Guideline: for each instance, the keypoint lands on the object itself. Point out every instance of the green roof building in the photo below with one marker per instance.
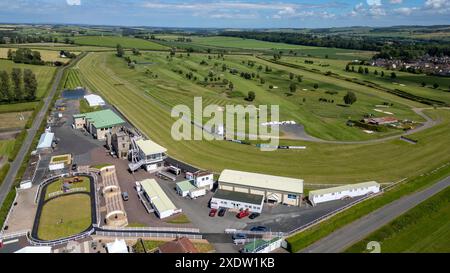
(99, 123)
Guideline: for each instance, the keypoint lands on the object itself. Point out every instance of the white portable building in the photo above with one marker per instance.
(342, 192)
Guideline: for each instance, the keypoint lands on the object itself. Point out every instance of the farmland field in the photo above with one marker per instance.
(46, 55)
(72, 80)
(14, 120)
(65, 216)
(131, 92)
(424, 229)
(58, 47)
(250, 44)
(44, 74)
(6, 147)
(112, 41)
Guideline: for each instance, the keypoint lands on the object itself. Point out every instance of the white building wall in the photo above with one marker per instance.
(205, 181)
(217, 203)
(316, 199)
(197, 193)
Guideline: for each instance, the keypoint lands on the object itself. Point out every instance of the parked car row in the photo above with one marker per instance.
(241, 214)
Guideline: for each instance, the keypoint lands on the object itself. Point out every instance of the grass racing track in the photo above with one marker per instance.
(319, 163)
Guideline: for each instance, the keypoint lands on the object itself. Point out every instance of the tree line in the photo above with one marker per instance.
(387, 48)
(26, 56)
(18, 86)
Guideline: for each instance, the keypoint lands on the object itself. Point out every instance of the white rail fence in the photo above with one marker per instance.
(137, 234)
(150, 229)
(80, 236)
(13, 235)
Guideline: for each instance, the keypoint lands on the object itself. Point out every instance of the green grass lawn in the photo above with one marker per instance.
(179, 219)
(425, 228)
(74, 211)
(58, 184)
(129, 91)
(305, 238)
(112, 41)
(323, 120)
(411, 83)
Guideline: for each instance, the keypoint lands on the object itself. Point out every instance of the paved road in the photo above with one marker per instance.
(343, 238)
(15, 165)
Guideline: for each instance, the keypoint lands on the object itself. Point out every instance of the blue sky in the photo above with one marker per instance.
(225, 13)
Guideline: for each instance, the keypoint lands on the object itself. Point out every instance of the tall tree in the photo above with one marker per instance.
(29, 84)
(350, 98)
(120, 51)
(5, 86)
(16, 76)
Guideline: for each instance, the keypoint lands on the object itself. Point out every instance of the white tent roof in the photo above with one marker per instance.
(94, 100)
(35, 249)
(118, 246)
(46, 140)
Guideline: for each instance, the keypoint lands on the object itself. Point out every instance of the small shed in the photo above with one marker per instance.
(186, 188)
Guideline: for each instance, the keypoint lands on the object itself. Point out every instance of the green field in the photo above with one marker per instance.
(65, 216)
(241, 44)
(44, 74)
(6, 147)
(14, 120)
(58, 184)
(131, 93)
(423, 229)
(59, 47)
(112, 41)
(323, 120)
(408, 82)
(72, 80)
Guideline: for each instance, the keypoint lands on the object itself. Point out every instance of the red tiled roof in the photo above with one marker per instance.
(180, 245)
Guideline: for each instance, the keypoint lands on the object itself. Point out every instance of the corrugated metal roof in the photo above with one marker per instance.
(102, 119)
(94, 100)
(186, 186)
(46, 140)
(279, 183)
(157, 195)
(343, 188)
(149, 147)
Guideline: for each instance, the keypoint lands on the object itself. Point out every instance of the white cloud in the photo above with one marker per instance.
(395, 1)
(405, 10)
(437, 4)
(374, 2)
(73, 2)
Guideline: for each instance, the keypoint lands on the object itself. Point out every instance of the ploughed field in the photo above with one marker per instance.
(146, 100)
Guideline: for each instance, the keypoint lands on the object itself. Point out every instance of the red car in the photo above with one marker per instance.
(212, 212)
(243, 213)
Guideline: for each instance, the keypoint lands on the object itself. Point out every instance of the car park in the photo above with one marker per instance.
(222, 212)
(212, 212)
(259, 229)
(243, 214)
(125, 196)
(253, 215)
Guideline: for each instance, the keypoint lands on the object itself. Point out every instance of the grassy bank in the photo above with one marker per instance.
(425, 228)
(315, 233)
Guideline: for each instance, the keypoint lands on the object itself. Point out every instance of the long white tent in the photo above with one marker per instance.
(94, 100)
